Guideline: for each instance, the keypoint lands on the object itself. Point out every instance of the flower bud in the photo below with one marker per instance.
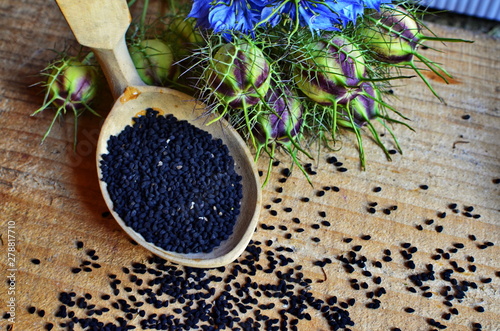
(154, 61)
(328, 69)
(392, 35)
(238, 73)
(72, 84)
(285, 119)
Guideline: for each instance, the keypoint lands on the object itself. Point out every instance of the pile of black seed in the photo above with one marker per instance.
(270, 287)
(172, 183)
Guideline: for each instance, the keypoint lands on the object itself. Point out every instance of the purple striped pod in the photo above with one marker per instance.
(392, 35)
(328, 69)
(363, 106)
(283, 121)
(238, 74)
(72, 84)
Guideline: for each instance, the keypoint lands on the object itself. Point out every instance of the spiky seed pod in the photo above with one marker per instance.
(283, 121)
(71, 84)
(238, 73)
(363, 106)
(328, 69)
(154, 61)
(392, 35)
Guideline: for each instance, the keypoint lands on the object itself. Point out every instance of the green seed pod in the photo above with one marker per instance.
(363, 106)
(238, 73)
(284, 121)
(71, 84)
(154, 61)
(184, 36)
(392, 35)
(328, 69)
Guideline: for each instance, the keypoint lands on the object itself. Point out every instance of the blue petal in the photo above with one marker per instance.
(200, 11)
(375, 4)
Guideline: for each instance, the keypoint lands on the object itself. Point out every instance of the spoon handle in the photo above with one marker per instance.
(101, 26)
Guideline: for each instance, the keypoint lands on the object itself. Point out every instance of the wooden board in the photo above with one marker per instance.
(50, 200)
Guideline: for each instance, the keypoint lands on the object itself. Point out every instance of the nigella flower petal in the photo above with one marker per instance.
(234, 16)
(375, 4)
(200, 10)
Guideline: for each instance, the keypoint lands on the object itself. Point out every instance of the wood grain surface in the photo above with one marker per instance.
(50, 200)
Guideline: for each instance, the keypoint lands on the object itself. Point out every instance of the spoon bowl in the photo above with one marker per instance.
(101, 25)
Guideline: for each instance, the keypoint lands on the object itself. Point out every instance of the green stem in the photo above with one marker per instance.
(417, 70)
(143, 18)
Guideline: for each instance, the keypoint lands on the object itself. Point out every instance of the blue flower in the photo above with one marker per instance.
(317, 15)
(229, 16)
(226, 16)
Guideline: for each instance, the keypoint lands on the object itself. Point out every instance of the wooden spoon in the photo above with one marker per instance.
(101, 25)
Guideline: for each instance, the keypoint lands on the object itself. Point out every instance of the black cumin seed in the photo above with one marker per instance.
(157, 177)
(31, 310)
(424, 187)
(409, 310)
(410, 264)
(377, 189)
(479, 309)
(371, 210)
(331, 160)
(366, 237)
(305, 199)
(320, 193)
(35, 261)
(79, 244)
(439, 228)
